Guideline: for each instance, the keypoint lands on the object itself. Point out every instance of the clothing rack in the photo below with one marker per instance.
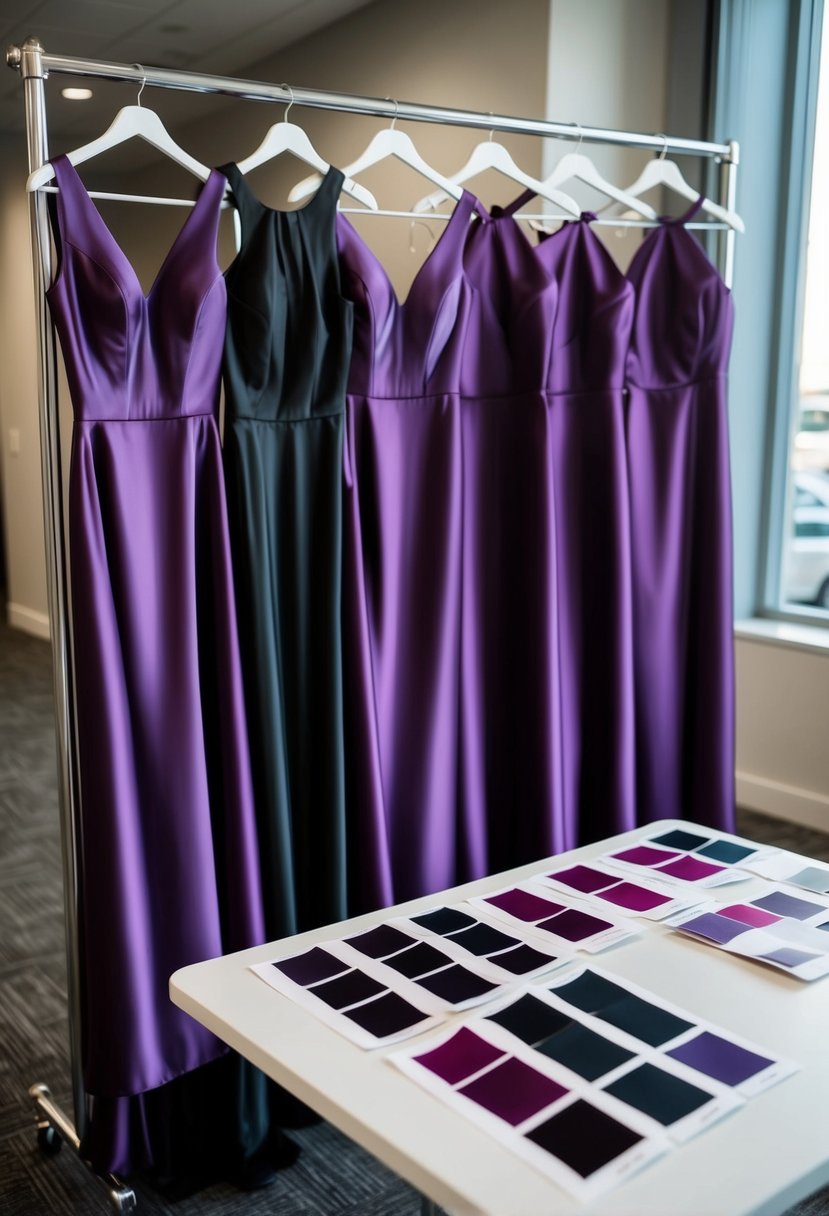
(34, 65)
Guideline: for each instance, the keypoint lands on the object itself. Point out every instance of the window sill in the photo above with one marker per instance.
(792, 634)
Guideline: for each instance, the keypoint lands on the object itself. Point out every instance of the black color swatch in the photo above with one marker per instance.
(386, 1015)
(584, 1138)
(644, 1021)
(314, 965)
(659, 1094)
(530, 1020)
(483, 939)
(523, 959)
(418, 960)
(584, 1052)
(348, 989)
(379, 942)
(444, 920)
(456, 984)
(590, 992)
(677, 839)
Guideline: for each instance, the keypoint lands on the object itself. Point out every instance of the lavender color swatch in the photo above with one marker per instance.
(461, 1056)
(720, 1059)
(787, 905)
(513, 1091)
(789, 957)
(714, 928)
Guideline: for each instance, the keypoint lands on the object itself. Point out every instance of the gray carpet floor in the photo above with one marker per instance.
(332, 1175)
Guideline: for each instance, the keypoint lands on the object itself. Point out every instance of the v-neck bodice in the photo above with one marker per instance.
(405, 349)
(130, 355)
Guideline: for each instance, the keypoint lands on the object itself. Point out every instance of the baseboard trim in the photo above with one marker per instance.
(790, 802)
(28, 620)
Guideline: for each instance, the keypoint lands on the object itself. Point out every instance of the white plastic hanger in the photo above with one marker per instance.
(576, 165)
(491, 155)
(289, 137)
(388, 142)
(662, 172)
(129, 122)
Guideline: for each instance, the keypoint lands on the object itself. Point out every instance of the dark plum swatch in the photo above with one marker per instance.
(311, 966)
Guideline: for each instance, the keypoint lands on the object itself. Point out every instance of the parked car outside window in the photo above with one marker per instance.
(806, 563)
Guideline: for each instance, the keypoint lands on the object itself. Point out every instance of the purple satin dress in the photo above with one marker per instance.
(169, 872)
(402, 538)
(677, 436)
(588, 470)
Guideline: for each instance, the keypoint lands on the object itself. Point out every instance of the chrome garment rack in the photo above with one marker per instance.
(34, 65)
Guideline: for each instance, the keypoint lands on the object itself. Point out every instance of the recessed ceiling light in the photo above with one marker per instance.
(76, 94)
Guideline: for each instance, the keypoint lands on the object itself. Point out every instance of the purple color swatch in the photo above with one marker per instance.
(575, 926)
(380, 942)
(582, 878)
(459, 1057)
(788, 957)
(787, 905)
(690, 869)
(714, 927)
(523, 905)
(348, 989)
(749, 915)
(643, 855)
(720, 1059)
(523, 959)
(387, 1014)
(513, 1091)
(311, 966)
(638, 899)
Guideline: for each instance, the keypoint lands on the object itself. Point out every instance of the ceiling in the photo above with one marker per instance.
(217, 36)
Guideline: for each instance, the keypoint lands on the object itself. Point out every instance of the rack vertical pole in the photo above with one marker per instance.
(53, 1125)
(729, 166)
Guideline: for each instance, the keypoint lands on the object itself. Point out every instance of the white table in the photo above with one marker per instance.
(761, 1160)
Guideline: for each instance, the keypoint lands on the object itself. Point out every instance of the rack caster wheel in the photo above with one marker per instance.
(49, 1142)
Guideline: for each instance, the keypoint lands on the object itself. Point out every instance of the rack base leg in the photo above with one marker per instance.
(54, 1128)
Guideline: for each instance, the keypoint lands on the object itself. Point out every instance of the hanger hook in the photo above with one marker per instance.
(581, 134)
(491, 129)
(143, 83)
(664, 151)
(290, 103)
(396, 105)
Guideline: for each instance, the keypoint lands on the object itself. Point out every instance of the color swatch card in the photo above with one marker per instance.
(645, 897)
(708, 860)
(589, 1077)
(794, 869)
(348, 999)
(583, 1139)
(529, 908)
(776, 928)
(508, 956)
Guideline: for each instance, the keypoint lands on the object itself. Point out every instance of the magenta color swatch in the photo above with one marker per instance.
(643, 855)
(513, 1091)
(574, 925)
(749, 915)
(582, 878)
(459, 1056)
(690, 869)
(523, 905)
(638, 899)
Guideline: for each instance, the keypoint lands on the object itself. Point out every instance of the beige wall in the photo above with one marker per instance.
(20, 471)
